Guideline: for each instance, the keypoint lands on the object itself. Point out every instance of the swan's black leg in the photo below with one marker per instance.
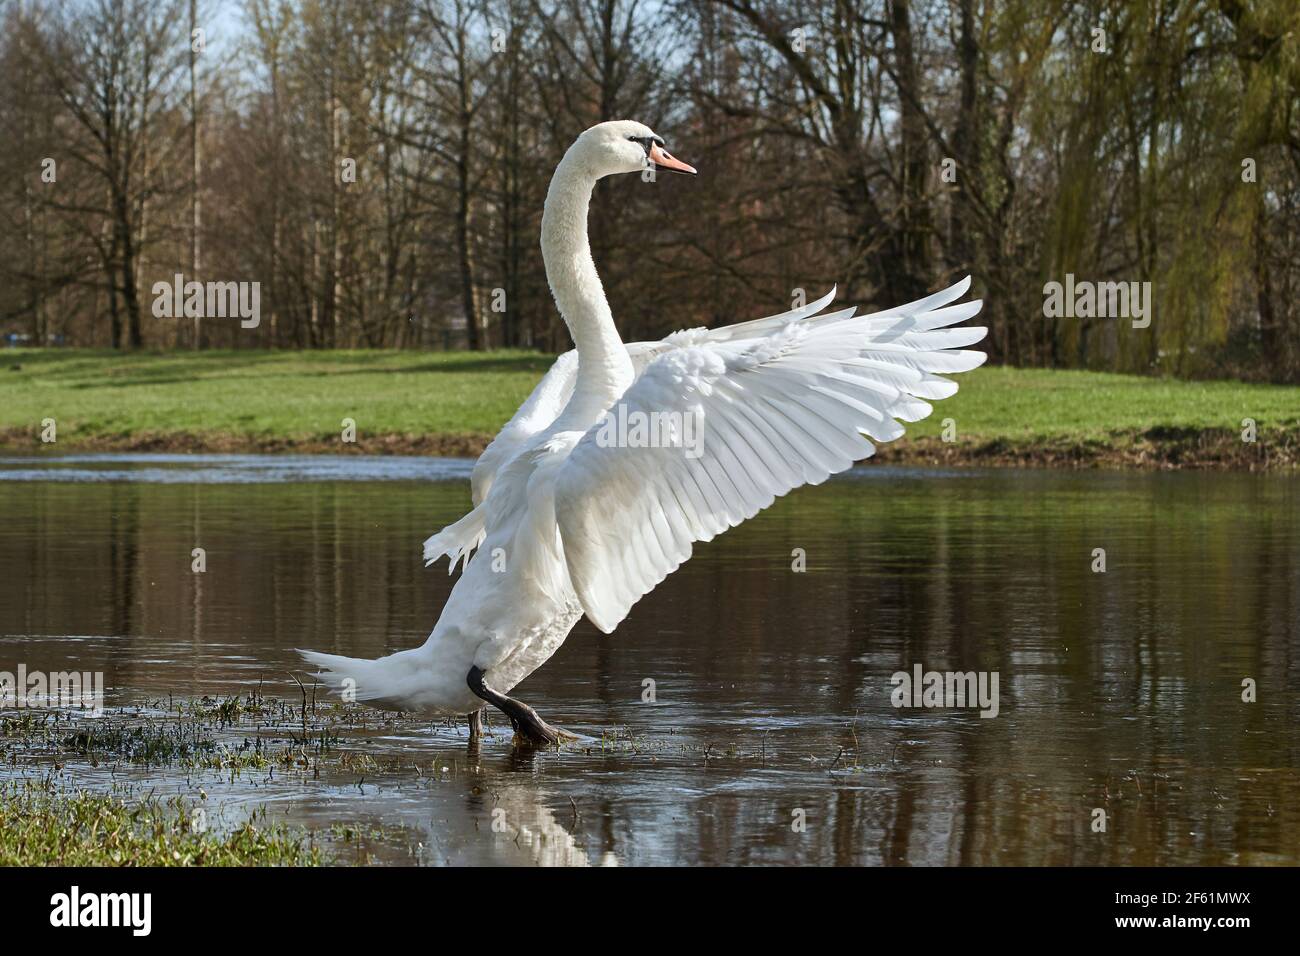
(522, 717)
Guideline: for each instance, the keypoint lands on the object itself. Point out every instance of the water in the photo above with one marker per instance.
(1119, 691)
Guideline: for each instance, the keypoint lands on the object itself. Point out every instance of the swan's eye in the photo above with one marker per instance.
(645, 142)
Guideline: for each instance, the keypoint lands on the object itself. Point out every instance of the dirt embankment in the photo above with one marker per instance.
(25, 441)
(1154, 449)
(1158, 449)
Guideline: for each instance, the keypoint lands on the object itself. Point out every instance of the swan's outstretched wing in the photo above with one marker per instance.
(550, 395)
(771, 406)
(544, 404)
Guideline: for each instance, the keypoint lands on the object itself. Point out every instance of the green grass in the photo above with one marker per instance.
(258, 399)
(1019, 404)
(263, 395)
(41, 826)
(44, 822)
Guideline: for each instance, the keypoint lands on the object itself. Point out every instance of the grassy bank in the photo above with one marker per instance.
(209, 749)
(452, 403)
(41, 825)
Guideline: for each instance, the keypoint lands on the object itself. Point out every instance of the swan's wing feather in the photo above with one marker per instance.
(534, 416)
(734, 423)
(766, 326)
(458, 540)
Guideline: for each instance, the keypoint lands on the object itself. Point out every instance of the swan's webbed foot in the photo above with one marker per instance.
(530, 726)
(527, 724)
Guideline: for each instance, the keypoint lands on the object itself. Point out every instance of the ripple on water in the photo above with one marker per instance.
(230, 469)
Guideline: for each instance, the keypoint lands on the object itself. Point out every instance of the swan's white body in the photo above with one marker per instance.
(566, 523)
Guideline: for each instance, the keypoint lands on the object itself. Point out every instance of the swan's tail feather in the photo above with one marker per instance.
(353, 678)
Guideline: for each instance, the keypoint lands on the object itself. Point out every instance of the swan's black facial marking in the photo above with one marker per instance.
(645, 142)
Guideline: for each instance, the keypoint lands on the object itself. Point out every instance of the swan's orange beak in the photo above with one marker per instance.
(662, 159)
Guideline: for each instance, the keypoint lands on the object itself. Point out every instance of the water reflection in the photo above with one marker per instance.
(1120, 690)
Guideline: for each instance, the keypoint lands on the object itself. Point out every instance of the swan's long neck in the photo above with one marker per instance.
(604, 369)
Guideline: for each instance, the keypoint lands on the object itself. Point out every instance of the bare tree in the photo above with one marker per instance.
(112, 65)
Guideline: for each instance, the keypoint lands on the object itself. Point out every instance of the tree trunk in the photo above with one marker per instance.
(464, 251)
(965, 142)
(468, 290)
(911, 241)
(196, 208)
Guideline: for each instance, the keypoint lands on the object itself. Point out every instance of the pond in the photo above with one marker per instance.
(744, 713)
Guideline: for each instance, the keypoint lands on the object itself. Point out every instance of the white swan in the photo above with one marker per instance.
(567, 521)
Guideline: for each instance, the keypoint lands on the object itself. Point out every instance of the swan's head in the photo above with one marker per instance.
(623, 146)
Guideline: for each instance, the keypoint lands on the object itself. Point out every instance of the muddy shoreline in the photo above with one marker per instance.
(1160, 449)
